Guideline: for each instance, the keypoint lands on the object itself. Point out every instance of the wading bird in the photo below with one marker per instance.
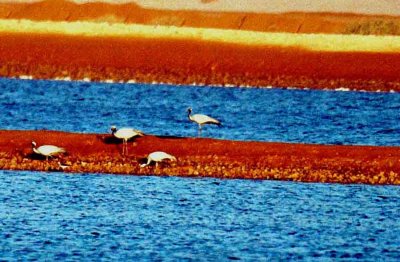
(157, 157)
(47, 150)
(202, 120)
(125, 134)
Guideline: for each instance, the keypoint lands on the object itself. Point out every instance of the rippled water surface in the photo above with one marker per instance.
(56, 216)
(59, 216)
(247, 114)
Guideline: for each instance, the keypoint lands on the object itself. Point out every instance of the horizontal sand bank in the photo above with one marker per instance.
(312, 42)
(126, 43)
(204, 157)
(182, 56)
(264, 19)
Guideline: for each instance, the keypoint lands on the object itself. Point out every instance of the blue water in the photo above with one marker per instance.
(104, 217)
(303, 116)
(56, 216)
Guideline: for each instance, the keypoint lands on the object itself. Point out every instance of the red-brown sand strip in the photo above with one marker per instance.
(129, 13)
(204, 157)
(180, 61)
(176, 61)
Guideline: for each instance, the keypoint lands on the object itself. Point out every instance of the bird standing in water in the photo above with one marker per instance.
(202, 120)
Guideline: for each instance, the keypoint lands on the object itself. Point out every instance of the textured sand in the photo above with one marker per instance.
(100, 153)
(126, 42)
(183, 61)
(311, 42)
(289, 19)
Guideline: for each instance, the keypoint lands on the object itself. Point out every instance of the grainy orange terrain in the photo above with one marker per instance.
(187, 62)
(294, 22)
(202, 157)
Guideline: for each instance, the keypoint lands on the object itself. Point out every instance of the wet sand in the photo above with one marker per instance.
(204, 157)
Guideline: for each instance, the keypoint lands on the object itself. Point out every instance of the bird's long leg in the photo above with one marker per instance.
(124, 147)
(199, 133)
(126, 144)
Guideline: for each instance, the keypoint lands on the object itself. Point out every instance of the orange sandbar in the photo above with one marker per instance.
(204, 157)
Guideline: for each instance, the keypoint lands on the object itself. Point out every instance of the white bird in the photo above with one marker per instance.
(47, 150)
(125, 134)
(158, 156)
(202, 119)
(63, 165)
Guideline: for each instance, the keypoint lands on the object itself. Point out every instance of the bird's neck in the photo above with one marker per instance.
(190, 116)
(35, 150)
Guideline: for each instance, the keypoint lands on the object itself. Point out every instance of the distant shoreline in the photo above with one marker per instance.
(121, 31)
(204, 157)
(128, 43)
(196, 61)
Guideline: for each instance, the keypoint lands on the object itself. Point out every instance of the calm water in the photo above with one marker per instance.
(56, 216)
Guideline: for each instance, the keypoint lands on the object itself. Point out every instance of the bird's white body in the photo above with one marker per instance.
(125, 134)
(201, 119)
(47, 150)
(158, 156)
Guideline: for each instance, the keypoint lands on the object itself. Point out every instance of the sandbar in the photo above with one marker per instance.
(204, 157)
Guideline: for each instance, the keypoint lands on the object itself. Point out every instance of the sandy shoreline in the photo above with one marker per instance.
(289, 19)
(45, 56)
(204, 157)
(121, 43)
